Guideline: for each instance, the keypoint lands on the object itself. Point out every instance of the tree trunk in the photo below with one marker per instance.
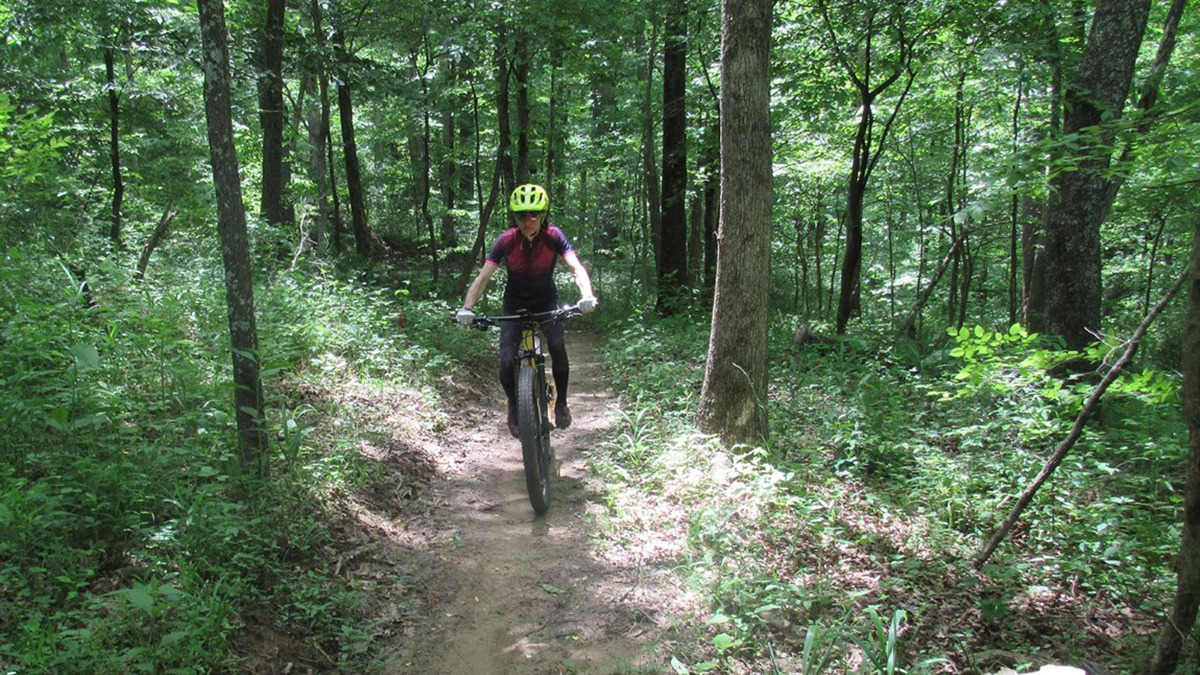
(318, 131)
(271, 114)
(485, 209)
(1149, 95)
(1187, 566)
(422, 157)
(672, 270)
(653, 186)
(1014, 235)
(910, 324)
(235, 248)
(449, 163)
(1078, 202)
(695, 242)
(609, 196)
(952, 201)
(114, 147)
(733, 398)
(1034, 235)
(331, 165)
(521, 71)
(712, 201)
(818, 248)
(160, 232)
(554, 135)
(1153, 259)
(502, 113)
(867, 150)
(358, 212)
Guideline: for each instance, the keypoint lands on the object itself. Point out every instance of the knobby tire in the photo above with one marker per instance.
(535, 442)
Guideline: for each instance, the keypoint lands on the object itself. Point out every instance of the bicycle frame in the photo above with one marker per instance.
(532, 356)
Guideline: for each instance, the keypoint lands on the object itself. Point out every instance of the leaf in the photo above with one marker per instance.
(172, 637)
(553, 590)
(86, 357)
(717, 618)
(678, 666)
(139, 597)
(724, 641)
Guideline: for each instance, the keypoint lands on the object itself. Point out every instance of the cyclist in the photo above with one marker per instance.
(530, 249)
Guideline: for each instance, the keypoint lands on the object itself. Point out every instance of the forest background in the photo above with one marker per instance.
(934, 320)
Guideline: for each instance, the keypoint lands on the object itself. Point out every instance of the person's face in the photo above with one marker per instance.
(530, 222)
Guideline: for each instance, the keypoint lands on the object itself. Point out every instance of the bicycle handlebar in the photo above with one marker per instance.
(565, 312)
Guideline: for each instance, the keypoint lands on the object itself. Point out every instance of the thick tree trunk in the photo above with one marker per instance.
(114, 147)
(271, 114)
(1079, 198)
(1187, 566)
(358, 212)
(235, 247)
(672, 269)
(734, 395)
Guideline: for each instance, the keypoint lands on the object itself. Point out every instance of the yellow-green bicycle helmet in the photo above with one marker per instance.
(529, 197)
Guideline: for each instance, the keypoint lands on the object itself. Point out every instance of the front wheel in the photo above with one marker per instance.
(535, 441)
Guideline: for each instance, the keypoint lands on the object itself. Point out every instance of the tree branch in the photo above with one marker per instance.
(1077, 430)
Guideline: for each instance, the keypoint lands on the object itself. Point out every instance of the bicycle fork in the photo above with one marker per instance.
(531, 344)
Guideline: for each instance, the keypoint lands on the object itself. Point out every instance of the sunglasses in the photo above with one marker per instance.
(529, 214)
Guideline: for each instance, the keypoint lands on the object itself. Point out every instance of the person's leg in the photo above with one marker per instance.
(556, 345)
(510, 338)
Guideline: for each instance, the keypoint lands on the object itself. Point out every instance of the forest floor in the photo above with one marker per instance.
(464, 578)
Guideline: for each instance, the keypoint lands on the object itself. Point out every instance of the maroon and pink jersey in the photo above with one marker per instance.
(530, 266)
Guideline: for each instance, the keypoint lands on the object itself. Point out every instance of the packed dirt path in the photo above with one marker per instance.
(506, 591)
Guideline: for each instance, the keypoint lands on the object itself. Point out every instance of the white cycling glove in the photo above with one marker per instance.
(588, 303)
(465, 316)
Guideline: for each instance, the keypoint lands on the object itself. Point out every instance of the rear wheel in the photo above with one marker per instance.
(535, 441)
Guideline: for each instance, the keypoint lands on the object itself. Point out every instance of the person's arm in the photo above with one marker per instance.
(582, 280)
(477, 287)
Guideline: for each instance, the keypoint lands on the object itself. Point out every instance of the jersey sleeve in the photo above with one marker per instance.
(499, 249)
(561, 244)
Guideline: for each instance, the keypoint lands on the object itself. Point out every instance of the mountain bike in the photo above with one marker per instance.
(535, 396)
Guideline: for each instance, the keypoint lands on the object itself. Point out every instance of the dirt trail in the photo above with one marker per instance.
(505, 591)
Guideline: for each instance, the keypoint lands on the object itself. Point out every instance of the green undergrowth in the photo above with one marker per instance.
(129, 539)
(847, 544)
